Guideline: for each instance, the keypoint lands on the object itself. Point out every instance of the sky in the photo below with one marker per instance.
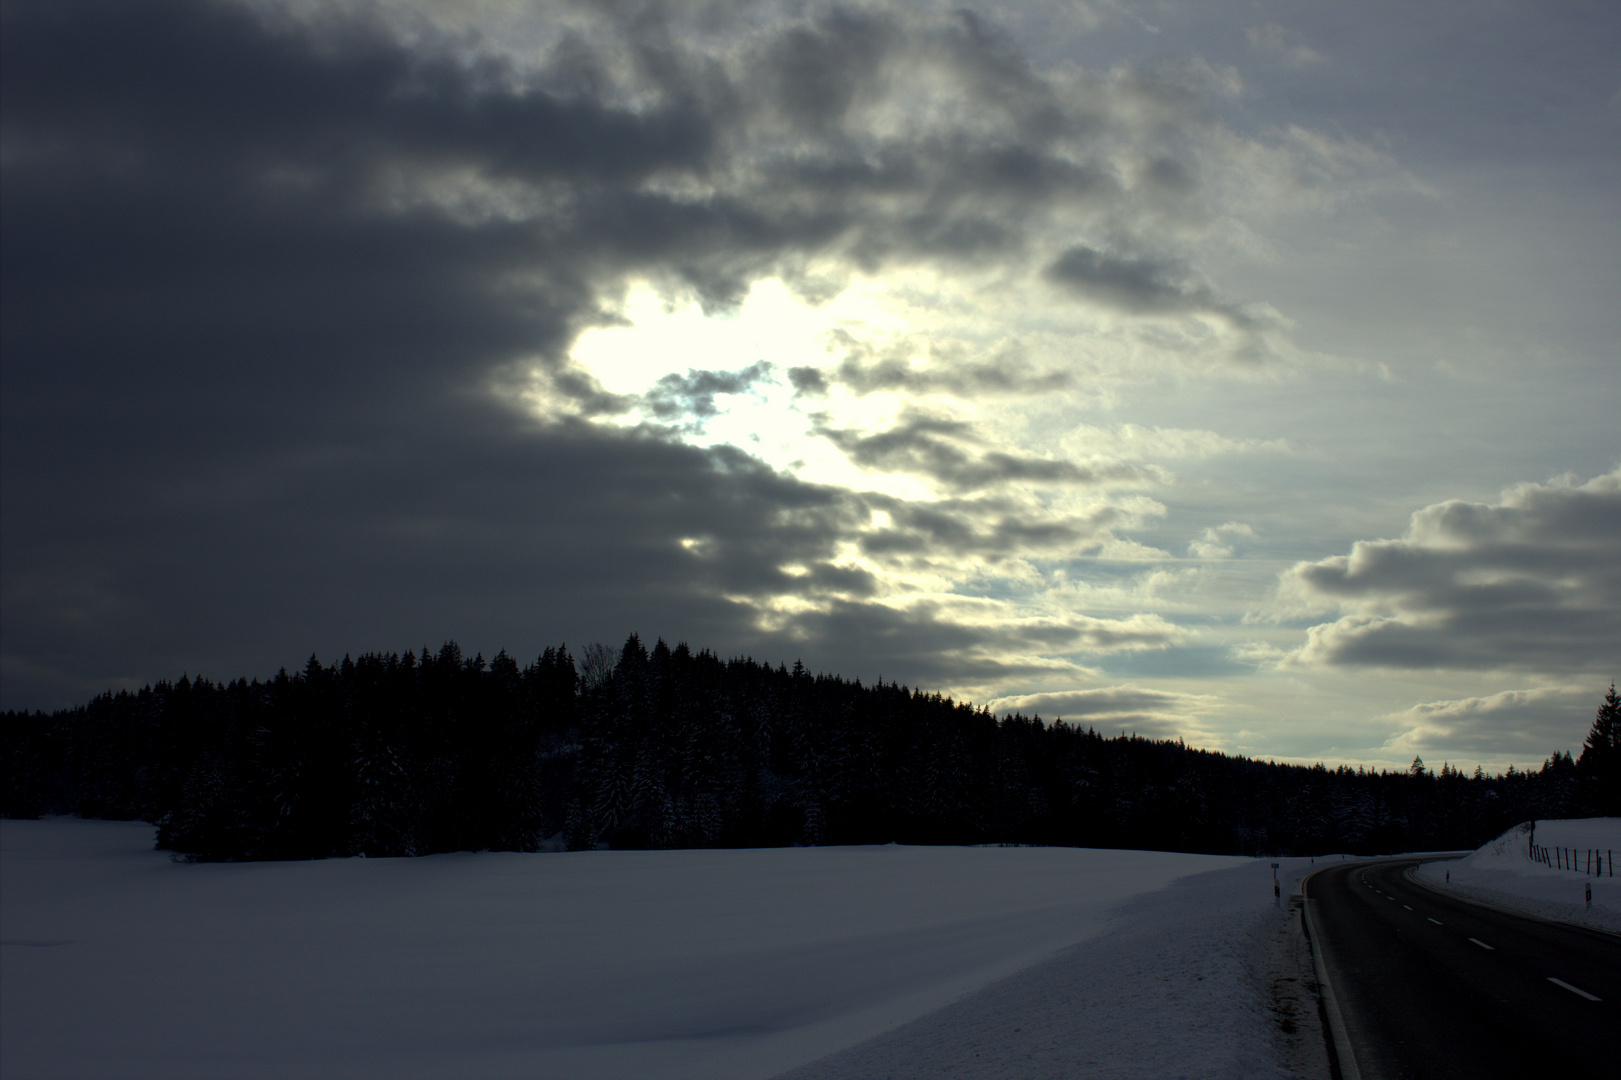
(1244, 373)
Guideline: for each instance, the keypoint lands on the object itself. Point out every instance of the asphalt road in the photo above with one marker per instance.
(1431, 987)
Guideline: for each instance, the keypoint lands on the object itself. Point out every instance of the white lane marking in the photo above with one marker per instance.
(1409, 907)
(1482, 944)
(1572, 989)
(1437, 922)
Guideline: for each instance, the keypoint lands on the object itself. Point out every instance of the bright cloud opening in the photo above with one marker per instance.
(663, 337)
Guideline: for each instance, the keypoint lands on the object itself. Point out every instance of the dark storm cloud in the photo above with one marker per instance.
(808, 380)
(516, 538)
(992, 527)
(945, 645)
(815, 73)
(944, 450)
(261, 269)
(1140, 286)
(961, 378)
(922, 645)
(866, 370)
(211, 87)
(833, 580)
(1531, 582)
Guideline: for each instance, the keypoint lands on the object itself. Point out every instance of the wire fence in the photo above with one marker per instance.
(1594, 862)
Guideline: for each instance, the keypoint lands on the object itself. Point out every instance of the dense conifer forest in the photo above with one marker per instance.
(408, 755)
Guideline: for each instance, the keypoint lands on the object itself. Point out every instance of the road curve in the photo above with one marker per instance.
(1429, 986)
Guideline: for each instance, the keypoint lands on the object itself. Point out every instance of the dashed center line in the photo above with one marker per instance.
(1482, 944)
(1574, 990)
(1409, 907)
(1437, 922)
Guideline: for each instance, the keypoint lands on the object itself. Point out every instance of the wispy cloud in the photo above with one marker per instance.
(1286, 45)
(1150, 713)
(1524, 725)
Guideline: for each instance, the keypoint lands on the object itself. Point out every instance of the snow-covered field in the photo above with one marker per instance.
(714, 964)
(1502, 873)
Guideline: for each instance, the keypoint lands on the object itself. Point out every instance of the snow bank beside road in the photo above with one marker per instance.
(1502, 873)
(1195, 980)
(704, 964)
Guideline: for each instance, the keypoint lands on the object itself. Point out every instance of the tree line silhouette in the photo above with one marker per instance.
(408, 755)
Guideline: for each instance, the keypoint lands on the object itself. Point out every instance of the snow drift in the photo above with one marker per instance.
(1502, 872)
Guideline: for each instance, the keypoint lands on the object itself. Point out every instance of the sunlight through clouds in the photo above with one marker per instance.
(1028, 352)
(658, 336)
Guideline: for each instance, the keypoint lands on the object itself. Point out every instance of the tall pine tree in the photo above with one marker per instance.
(1600, 764)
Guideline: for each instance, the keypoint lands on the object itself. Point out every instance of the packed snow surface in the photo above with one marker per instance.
(120, 962)
(1194, 981)
(1503, 873)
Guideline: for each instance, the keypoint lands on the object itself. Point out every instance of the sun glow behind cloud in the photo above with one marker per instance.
(962, 525)
(1015, 360)
(664, 335)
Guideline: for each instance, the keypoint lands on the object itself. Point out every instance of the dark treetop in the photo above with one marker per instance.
(406, 755)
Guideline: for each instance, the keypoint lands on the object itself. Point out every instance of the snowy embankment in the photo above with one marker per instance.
(1503, 873)
(714, 964)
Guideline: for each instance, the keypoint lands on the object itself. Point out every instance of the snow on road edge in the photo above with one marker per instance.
(1501, 873)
